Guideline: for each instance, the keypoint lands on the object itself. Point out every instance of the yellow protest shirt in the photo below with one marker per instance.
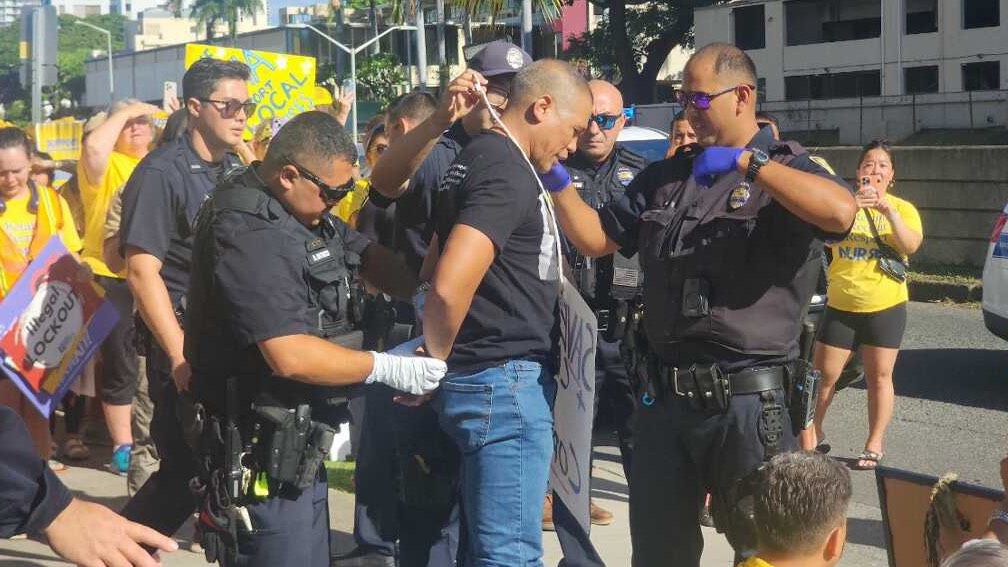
(97, 196)
(856, 284)
(19, 224)
(354, 201)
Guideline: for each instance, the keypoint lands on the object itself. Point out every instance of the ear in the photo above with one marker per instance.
(542, 107)
(835, 543)
(193, 106)
(746, 98)
(287, 175)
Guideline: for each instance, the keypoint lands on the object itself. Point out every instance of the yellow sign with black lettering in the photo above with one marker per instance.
(281, 85)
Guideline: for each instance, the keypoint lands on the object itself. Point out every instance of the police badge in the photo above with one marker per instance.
(739, 195)
(624, 176)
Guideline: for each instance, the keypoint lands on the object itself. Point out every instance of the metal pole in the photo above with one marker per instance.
(526, 23)
(421, 52)
(353, 106)
(36, 85)
(111, 74)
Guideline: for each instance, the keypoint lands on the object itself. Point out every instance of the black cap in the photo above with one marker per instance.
(499, 57)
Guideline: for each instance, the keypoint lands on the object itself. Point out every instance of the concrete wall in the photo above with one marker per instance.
(959, 192)
(861, 120)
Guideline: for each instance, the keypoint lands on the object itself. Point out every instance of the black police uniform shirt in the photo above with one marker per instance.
(30, 494)
(512, 315)
(599, 185)
(780, 255)
(160, 202)
(414, 210)
(255, 287)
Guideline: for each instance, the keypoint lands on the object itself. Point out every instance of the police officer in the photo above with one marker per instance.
(160, 201)
(729, 237)
(601, 172)
(270, 312)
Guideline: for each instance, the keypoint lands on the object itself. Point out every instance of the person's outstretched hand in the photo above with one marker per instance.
(93, 536)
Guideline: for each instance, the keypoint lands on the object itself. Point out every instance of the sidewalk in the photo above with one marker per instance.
(610, 490)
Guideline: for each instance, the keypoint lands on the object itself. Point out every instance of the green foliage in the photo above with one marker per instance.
(379, 75)
(76, 44)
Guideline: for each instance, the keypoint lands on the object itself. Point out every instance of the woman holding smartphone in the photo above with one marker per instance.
(867, 297)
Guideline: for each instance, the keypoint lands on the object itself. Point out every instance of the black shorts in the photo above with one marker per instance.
(843, 329)
(120, 375)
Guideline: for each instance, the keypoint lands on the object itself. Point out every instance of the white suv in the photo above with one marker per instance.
(995, 279)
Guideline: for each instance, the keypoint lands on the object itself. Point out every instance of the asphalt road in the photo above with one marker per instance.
(951, 414)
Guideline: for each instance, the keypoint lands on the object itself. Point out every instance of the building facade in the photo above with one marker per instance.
(885, 53)
(157, 27)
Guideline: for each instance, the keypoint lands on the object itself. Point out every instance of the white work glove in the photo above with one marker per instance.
(415, 375)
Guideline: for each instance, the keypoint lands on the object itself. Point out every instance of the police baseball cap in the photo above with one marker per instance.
(499, 57)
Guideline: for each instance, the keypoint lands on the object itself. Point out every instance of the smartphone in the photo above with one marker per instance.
(347, 87)
(169, 94)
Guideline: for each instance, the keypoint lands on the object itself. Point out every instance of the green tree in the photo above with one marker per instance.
(635, 38)
(76, 44)
(208, 13)
(380, 75)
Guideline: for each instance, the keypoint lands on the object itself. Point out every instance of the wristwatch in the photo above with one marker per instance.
(999, 515)
(422, 287)
(756, 162)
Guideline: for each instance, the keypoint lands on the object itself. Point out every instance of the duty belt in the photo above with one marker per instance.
(708, 387)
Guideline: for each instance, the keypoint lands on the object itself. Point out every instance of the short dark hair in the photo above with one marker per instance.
(767, 117)
(548, 76)
(729, 59)
(309, 138)
(202, 78)
(799, 499)
(877, 145)
(679, 117)
(11, 137)
(415, 107)
(175, 127)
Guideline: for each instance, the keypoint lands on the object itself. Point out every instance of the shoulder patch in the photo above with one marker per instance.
(625, 175)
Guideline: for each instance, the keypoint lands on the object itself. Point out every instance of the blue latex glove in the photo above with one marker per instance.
(556, 179)
(715, 161)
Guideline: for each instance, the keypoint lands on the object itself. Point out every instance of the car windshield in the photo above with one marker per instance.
(651, 150)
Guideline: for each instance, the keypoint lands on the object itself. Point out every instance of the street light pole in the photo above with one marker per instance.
(108, 37)
(352, 52)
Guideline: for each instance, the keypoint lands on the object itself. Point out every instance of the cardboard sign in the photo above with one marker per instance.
(573, 412)
(282, 85)
(905, 498)
(60, 138)
(51, 324)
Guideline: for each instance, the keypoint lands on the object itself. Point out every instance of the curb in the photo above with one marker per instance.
(928, 290)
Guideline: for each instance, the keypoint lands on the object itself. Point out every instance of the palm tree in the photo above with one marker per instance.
(210, 12)
(550, 10)
(207, 13)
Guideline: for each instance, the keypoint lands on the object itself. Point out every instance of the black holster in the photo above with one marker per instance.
(289, 446)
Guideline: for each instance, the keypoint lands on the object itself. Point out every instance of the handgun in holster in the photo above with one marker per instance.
(292, 446)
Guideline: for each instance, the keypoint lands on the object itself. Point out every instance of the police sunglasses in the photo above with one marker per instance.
(701, 100)
(329, 194)
(605, 121)
(231, 107)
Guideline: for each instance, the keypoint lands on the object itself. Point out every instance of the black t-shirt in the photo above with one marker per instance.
(414, 210)
(513, 312)
(160, 202)
(257, 285)
(622, 221)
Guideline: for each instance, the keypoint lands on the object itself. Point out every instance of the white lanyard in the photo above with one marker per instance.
(554, 228)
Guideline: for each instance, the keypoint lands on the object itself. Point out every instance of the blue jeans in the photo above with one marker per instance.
(501, 419)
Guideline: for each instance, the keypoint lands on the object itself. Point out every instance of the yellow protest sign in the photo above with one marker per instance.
(281, 85)
(60, 138)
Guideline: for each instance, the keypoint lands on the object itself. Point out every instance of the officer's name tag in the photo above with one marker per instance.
(316, 257)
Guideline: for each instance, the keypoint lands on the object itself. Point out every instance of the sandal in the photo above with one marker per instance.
(870, 457)
(75, 449)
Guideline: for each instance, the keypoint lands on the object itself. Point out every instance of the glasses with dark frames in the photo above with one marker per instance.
(231, 107)
(329, 193)
(701, 100)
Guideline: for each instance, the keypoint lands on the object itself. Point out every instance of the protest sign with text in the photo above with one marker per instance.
(281, 85)
(573, 412)
(51, 324)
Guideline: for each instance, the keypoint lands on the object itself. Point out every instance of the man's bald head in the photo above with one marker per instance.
(604, 91)
(725, 61)
(548, 108)
(597, 142)
(548, 77)
(719, 95)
